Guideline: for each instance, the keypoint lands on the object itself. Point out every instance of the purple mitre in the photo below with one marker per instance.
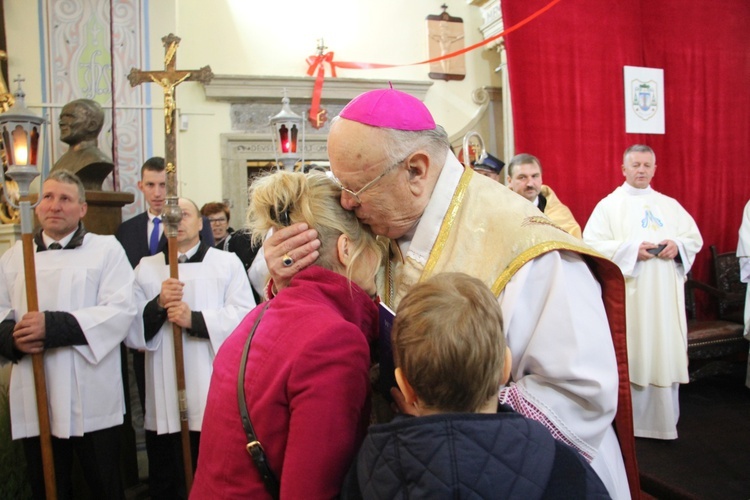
(389, 108)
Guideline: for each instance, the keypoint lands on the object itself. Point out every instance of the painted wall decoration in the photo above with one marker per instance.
(87, 57)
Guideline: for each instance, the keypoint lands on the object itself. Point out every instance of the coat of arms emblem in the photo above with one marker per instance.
(644, 98)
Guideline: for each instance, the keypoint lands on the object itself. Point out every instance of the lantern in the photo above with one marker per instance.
(287, 128)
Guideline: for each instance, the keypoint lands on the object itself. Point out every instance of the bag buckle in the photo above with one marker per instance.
(252, 444)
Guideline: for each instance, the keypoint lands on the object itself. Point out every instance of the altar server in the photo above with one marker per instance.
(208, 301)
(85, 293)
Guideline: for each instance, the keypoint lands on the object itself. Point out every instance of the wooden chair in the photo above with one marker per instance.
(716, 346)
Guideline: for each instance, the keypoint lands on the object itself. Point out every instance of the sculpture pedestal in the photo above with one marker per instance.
(105, 210)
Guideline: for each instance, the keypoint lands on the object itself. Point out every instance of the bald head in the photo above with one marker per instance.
(391, 172)
(188, 233)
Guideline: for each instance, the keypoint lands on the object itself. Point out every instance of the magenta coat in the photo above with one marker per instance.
(307, 388)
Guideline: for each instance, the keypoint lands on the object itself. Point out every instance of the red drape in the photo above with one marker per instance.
(566, 79)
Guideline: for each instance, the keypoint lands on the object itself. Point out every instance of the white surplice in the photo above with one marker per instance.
(93, 282)
(743, 252)
(564, 363)
(656, 322)
(217, 287)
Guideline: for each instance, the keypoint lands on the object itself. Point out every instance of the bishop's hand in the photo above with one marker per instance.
(289, 250)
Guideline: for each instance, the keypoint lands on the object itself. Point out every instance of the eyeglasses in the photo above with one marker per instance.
(217, 221)
(355, 194)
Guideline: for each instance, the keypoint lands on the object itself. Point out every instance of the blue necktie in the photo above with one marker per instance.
(154, 243)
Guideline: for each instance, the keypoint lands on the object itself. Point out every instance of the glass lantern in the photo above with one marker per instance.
(288, 136)
(20, 130)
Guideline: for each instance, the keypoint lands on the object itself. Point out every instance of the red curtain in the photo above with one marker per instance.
(566, 82)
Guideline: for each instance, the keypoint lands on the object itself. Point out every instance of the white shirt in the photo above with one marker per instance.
(48, 240)
(150, 225)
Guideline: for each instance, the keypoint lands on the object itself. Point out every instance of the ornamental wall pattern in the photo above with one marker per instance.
(78, 62)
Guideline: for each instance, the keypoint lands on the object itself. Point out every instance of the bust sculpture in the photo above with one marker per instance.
(80, 123)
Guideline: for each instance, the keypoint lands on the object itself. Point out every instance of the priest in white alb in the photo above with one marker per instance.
(654, 241)
(743, 252)
(210, 298)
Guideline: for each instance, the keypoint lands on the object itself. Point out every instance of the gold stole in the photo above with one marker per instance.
(559, 213)
(488, 233)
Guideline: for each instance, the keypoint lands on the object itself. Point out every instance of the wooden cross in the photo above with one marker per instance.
(169, 78)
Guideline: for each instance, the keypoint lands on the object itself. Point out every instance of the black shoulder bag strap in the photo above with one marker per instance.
(253, 446)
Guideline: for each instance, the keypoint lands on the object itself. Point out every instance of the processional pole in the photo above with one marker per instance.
(168, 79)
(20, 130)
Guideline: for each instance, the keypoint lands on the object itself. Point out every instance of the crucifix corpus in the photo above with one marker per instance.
(169, 78)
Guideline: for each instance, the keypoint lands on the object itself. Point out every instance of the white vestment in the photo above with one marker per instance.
(743, 252)
(564, 365)
(258, 272)
(217, 287)
(655, 288)
(93, 282)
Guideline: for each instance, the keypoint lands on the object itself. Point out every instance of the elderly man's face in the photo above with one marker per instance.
(526, 180)
(74, 124)
(357, 156)
(639, 169)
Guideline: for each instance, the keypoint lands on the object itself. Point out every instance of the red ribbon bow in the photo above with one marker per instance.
(318, 61)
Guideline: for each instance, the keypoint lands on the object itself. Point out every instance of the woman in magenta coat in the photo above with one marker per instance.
(306, 381)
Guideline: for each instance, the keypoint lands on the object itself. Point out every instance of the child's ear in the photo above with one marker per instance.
(406, 389)
(507, 366)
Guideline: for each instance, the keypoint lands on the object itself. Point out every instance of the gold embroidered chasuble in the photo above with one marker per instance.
(559, 213)
(488, 244)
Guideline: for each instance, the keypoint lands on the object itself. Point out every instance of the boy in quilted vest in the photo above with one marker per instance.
(451, 359)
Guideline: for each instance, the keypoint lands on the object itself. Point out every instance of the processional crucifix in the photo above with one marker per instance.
(169, 78)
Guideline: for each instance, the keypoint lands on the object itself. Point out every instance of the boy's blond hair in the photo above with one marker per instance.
(448, 341)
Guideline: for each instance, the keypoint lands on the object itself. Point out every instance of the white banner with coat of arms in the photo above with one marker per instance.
(644, 100)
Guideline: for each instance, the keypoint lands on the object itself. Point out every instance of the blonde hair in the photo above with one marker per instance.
(283, 198)
(448, 341)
